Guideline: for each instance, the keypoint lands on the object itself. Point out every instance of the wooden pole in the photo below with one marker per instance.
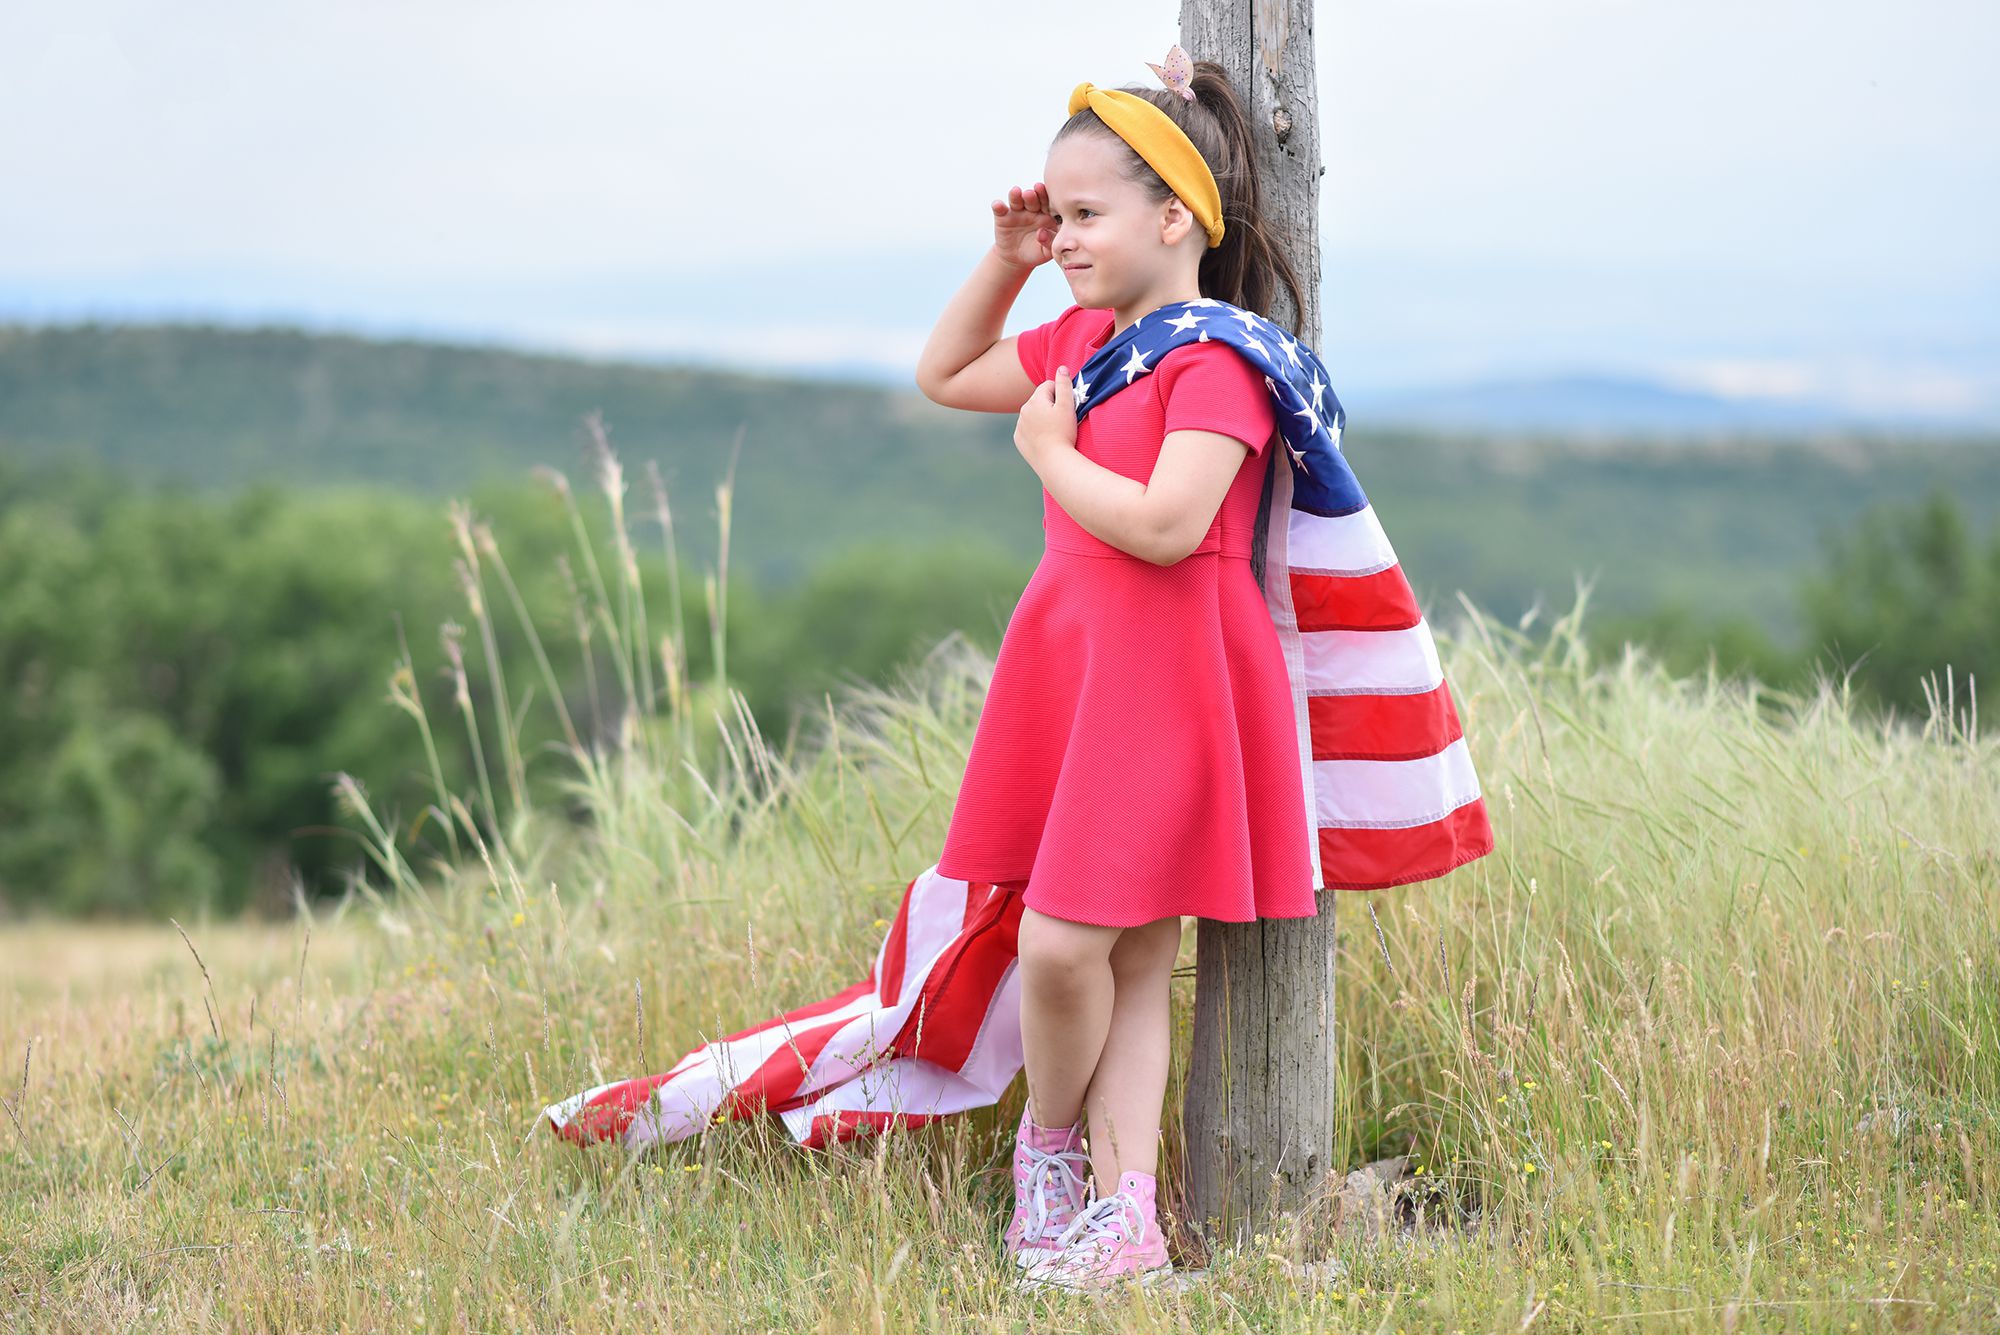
(1258, 1112)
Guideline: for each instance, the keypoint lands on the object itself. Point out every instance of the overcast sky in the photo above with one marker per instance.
(1785, 196)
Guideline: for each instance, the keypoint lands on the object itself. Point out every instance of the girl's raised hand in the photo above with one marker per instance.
(1024, 231)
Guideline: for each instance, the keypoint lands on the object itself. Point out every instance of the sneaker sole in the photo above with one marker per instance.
(1030, 1281)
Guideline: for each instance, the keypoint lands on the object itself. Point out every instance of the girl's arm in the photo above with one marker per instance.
(965, 363)
(1161, 519)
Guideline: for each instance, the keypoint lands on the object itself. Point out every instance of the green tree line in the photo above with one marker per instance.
(184, 673)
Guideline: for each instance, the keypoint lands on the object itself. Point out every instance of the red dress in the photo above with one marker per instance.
(1137, 755)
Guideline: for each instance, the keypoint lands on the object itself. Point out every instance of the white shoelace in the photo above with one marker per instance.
(1101, 1223)
(1061, 1169)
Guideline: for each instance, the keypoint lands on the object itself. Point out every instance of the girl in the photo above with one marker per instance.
(1215, 697)
(1136, 759)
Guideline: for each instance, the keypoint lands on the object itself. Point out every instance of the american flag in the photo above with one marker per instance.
(1390, 792)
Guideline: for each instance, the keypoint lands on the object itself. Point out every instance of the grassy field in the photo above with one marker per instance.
(1712, 1041)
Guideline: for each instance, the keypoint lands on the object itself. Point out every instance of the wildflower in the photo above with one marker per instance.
(520, 918)
(1527, 1165)
(1527, 1084)
(1419, 1171)
(1605, 1143)
(881, 922)
(690, 1168)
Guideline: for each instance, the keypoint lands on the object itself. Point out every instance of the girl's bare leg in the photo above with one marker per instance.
(1129, 1087)
(1066, 993)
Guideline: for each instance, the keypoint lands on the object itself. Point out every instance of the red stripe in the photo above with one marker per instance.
(775, 1084)
(847, 1125)
(1382, 727)
(895, 951)
(1381, 601)
(1371, 859)
(960, 988)
(609, 1112)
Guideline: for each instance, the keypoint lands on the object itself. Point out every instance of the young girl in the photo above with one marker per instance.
(1216, 696)
(1136, 759)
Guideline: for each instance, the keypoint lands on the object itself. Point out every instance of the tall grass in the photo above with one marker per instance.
(1711, 1041)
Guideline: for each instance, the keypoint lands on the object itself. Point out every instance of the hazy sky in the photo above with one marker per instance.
(1749, 195)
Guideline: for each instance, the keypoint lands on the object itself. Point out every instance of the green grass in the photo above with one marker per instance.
(1639, 1045)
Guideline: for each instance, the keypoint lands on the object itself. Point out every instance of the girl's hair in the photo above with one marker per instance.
(1247, 267)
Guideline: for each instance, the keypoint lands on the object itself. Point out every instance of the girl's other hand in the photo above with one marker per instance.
(1024, 231)
(1048, 421)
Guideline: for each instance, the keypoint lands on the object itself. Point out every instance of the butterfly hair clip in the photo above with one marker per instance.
(1178, 73)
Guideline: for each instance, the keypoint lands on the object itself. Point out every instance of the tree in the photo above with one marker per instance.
(1258, 1111)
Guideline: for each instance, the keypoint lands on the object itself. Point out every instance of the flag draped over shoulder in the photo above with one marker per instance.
(1390, 793)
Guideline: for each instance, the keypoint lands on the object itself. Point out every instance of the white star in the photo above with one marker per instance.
(1205, 301)
(1136, 367)
(1253, 343)
(1317, 386)
(1204, 336)
(1185, 321)
(1310, 416)
(1249, 320)
(1291, 350)
(1082, 389)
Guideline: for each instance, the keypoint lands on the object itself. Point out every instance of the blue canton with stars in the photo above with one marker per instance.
(1310, 418)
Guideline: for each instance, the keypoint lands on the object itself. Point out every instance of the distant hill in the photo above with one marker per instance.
(1622, 405)
(1721, 522)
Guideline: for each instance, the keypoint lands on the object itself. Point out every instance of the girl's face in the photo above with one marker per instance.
(1117, 249)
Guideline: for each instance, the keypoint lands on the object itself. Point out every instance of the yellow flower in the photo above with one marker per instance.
(1528, 1166)
(690, 1168)
(1605, 1143)
(1527, 1084)
(520, 918)
(881, 922)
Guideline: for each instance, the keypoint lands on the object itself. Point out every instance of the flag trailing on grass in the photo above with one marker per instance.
(1390, 793)
(935, 1028)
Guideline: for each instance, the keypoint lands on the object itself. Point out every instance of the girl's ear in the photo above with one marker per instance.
(1176, 222)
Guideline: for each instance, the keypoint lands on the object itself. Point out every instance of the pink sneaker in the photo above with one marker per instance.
(1116, 1237)
(1049, 1188)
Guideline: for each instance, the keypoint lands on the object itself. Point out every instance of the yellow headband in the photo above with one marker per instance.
(1163, 144)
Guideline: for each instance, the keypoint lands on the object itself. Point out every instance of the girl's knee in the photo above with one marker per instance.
(1147, 949)
(1055, 948)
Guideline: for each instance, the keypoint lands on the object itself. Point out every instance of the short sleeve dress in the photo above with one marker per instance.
(1137, 757)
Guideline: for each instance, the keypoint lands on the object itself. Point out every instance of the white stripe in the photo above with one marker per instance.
(1381, 662)
(937, 916)
(1393, 794)
(1284, 616)
(1350, 544)
(906, 1085)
